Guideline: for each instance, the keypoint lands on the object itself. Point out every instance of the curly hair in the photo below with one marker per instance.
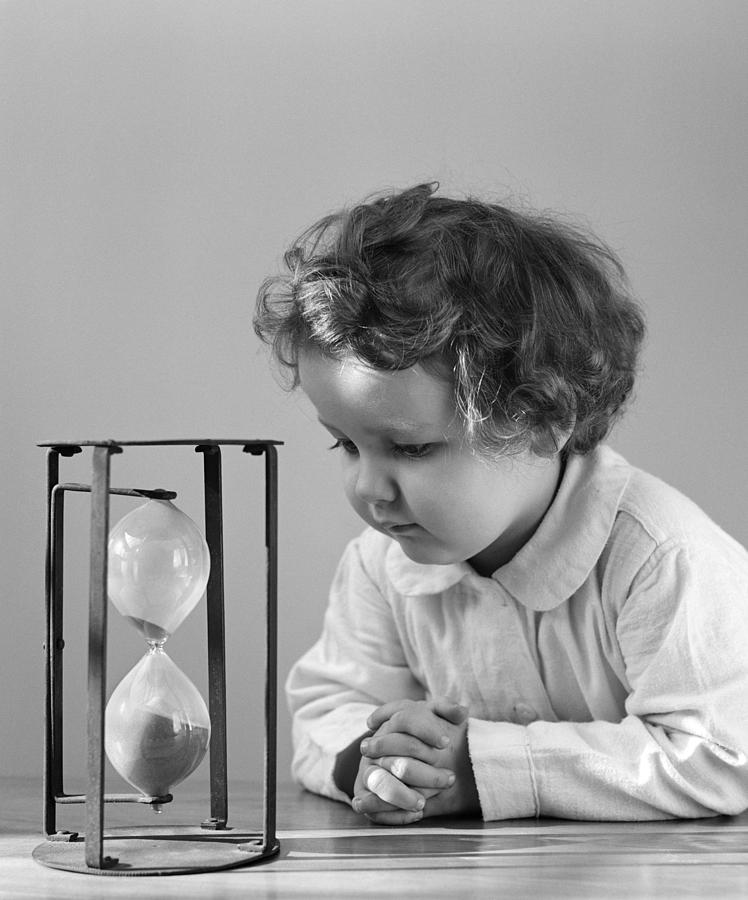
(532, 318)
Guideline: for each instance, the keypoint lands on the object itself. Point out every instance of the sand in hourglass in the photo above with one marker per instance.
(149, 630)
(157, 726)
(156, 751)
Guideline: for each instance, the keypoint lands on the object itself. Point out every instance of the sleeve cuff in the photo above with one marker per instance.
(503, 770)
(317, 749)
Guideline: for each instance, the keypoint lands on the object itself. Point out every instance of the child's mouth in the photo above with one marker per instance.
(403, 529)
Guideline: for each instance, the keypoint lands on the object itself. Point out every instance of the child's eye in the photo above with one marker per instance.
(346, 445)
(414, 451)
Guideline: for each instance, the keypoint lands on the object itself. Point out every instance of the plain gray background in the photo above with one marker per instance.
(159, 155)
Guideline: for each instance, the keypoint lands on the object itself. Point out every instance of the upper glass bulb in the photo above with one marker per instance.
(158, 568)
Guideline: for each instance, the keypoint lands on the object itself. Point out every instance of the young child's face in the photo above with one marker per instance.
(409, 472)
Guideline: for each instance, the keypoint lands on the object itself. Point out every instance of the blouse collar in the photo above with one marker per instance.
(559, 557)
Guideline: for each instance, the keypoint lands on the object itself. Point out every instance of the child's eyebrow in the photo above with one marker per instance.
(327, 425)
(405, 431)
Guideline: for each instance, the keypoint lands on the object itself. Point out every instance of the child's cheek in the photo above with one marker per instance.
(349, 489)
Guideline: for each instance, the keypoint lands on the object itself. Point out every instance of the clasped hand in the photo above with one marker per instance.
(416, 763)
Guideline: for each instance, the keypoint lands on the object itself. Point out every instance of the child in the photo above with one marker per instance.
(528, 626)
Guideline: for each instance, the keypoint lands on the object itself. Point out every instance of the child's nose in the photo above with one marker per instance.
(374, 484)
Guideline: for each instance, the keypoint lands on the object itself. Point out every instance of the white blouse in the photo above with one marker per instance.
(605, 666)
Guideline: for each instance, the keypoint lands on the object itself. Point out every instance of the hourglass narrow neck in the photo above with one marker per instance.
(156, 646)
(154, 634)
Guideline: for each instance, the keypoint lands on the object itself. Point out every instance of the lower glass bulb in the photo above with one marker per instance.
(157, 726)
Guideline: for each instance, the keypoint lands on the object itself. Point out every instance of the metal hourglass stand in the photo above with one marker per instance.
(210, 845)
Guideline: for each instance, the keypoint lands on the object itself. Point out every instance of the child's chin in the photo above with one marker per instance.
(426, 556)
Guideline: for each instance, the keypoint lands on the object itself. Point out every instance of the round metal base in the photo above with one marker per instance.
(159, 851)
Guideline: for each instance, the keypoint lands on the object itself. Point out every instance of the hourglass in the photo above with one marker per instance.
(153, 567)
(157, 725)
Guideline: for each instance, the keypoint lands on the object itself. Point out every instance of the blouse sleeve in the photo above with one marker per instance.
(680, 750)
(356, 665)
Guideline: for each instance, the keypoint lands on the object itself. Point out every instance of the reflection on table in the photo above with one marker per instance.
(327, 850)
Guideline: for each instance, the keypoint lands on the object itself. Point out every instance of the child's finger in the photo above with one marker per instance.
(397, 744)
(382, 813)
(390, 789)
(383, 713)
(415, 773)
(420, 719)
(399, 817)
(367, 803)
(448, 709)
(420, 722)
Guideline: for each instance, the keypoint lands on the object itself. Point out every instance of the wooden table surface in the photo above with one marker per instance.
(329, 851)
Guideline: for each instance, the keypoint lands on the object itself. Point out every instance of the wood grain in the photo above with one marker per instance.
(329, 851)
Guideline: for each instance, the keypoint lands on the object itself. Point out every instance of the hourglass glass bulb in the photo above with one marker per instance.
(158, 568)
(157, 725)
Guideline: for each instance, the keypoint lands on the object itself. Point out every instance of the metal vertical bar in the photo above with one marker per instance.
(271, 633)
(216, 638)
(51, 766)
(56, 642)
(97, 622)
